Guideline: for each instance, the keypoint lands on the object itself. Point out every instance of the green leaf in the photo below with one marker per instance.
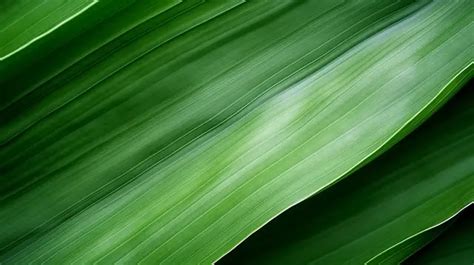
(24, 22)
(398, 253)
(174, 132)
(454, 246)
(32, 31)
(421, 182)
(404, 249)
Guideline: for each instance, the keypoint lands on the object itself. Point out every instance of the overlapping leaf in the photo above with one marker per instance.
(417, 185)
(170, 131)
(455, 246)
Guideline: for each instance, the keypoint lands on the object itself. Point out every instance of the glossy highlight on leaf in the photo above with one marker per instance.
(421, 182)
(168, 132)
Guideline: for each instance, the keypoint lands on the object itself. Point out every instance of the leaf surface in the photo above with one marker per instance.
(23, 22)
(454, 246)
(172, 138)
(418, 184)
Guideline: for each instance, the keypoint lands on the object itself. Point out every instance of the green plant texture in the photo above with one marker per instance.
(236, 132)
